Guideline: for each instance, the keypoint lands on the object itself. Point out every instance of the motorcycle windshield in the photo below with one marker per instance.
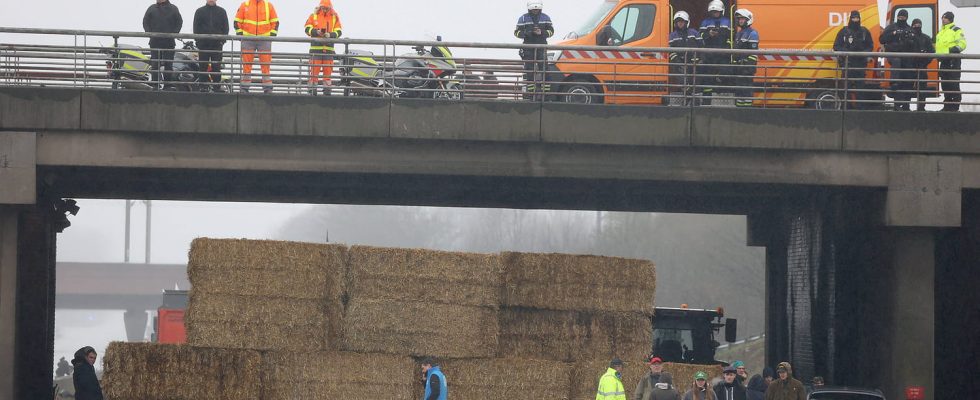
(444, 54)
(408, 66)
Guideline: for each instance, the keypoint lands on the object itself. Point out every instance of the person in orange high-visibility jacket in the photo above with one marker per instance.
(256, 18)
(323, 23)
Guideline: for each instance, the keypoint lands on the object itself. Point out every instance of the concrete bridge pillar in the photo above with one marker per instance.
(135, 321)
(8, 298)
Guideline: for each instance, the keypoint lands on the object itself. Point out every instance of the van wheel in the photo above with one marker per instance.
(825, 99)
(580, 93)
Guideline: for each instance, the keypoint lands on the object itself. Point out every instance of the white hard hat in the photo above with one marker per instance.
(716, 5)
(682, 15)
(535, 5)
(743, 12)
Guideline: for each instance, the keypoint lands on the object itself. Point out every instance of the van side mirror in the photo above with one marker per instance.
(731, 330)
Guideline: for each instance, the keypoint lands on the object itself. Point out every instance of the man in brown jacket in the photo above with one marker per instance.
(645, 387)
(786, 387)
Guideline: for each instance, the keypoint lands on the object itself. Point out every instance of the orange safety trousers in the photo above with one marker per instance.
(321, 66)
(265, 58)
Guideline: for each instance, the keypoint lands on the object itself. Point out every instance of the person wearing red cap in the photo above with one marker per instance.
(645, 388)
(323, 23)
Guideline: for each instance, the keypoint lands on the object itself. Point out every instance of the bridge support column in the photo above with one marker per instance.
(35, 304)
(8, 298)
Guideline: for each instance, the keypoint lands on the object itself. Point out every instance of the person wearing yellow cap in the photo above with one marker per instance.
(324, 23)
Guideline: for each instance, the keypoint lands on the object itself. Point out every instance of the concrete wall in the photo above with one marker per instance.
(8, 298)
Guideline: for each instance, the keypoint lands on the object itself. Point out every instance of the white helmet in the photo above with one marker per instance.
(743, 12)
(682, 15)
(535, 5)
(716, 5)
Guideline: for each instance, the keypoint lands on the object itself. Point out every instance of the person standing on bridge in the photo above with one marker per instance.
(256, 18)
(210, 19)
(681, 75)
(323, 23)
(699, 388)
(86, 383)
(162, 17)
(922, 45)
(644, 388)
(950, 40)
(715, 33)
(897, 38)
(747, 38)
(535, 27)
(854, 37)
(611, 382)
(786, 387)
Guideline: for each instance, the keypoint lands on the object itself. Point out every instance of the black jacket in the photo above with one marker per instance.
(162, 18)
(854, 38)
(756, 389)
(737, 391)
(922, 43)
(897, 37)
(211, 20)
(86, 383)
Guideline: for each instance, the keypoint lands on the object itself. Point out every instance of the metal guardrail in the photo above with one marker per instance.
(420, 69)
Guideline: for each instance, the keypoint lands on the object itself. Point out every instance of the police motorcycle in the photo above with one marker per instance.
(128, 67)
(424, 73)
(186, 68)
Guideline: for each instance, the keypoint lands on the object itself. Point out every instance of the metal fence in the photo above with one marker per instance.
(572, 74)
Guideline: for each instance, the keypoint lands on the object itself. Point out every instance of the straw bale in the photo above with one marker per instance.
(241, 335)
(586, 374)
(573, 336)
(684, 373)
(267, 268)
(425, 275)
(150, 371)
(578, 282)
(337, 375)
(211, 307)
(419, 329)
(506, 378)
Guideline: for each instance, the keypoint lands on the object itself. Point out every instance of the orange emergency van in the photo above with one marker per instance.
(621, 76)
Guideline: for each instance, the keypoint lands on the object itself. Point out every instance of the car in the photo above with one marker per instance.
(845, 393)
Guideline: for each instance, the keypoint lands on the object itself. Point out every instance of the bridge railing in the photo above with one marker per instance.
(420, 69)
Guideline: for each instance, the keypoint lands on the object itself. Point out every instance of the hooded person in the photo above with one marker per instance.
(700, 389)
(854, 37)
(664, 390)
(728, 388)
(768, 375)
(785, 387)
(756, 389)
(922, 44)
(899, 38)
(323, 23)
(86, 383)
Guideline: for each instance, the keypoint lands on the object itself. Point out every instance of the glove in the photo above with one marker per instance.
(273, 34)
(333, 35)
(955, 50)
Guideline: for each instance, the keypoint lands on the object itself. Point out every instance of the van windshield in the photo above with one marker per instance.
(593, 20)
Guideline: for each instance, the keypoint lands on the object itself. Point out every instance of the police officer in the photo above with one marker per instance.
(715, 33)
(950, 40)
(747, 38)
(535, 27)
(922, 43)
(898, 38)
(682, 62)
(855, 37)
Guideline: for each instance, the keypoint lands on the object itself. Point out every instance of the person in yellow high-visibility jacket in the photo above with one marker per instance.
(950, 40)
(611, 383)
(323, 23)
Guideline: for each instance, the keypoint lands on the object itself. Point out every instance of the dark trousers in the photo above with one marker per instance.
(921, 88)
(902, 85)
(681, 80)
(210, 58)
(161, 65)
(535, 65)
(854, 85)
(745, 82)
(949, 72)
(715, 72)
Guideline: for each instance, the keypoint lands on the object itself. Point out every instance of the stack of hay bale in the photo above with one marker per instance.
(579, 309)
(318, 321)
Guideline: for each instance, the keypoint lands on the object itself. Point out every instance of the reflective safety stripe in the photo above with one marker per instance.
(611, 393)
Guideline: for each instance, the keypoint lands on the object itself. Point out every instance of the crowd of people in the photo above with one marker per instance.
(778, 384)
(908, 76)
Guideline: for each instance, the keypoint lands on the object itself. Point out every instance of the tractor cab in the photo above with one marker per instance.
(684, 335)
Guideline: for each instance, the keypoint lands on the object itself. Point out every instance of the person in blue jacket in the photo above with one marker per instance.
(435, 381)
(715, 33)
(747, 38)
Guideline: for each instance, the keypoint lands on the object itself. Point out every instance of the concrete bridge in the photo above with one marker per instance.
(871, 220)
